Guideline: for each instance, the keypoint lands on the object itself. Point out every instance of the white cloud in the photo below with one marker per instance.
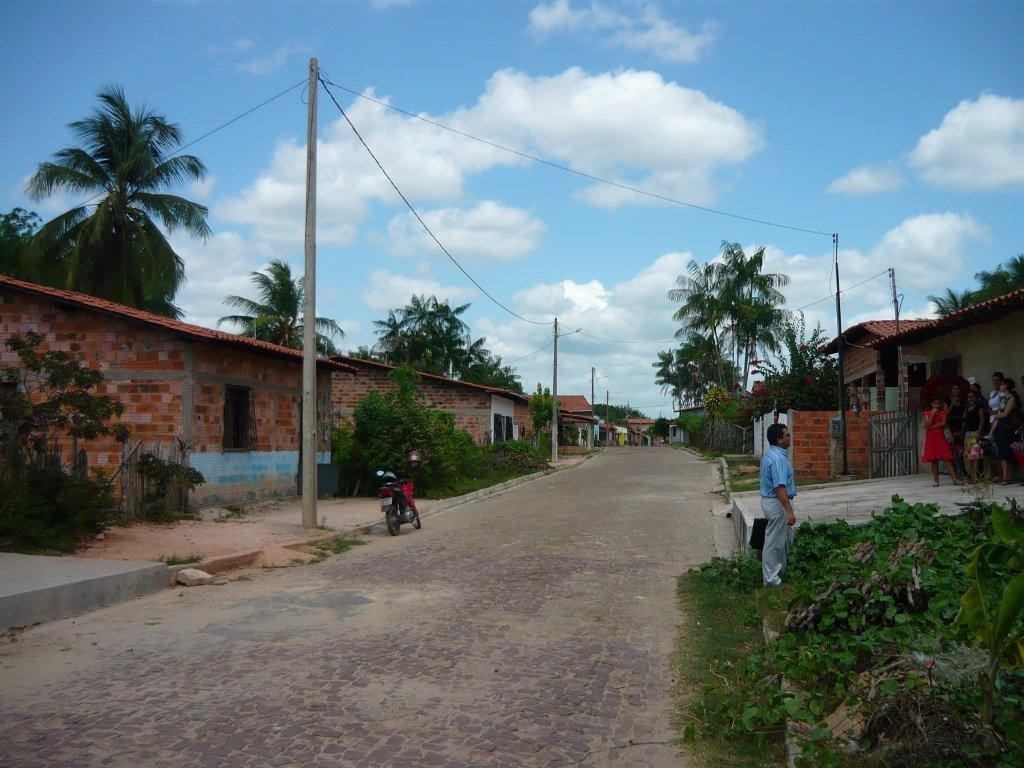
(646, 31)
(387, 290)
(202, 189)
(489, 231)
(274, 61)
(217, 268)
(239, 45)
(979, 146)
(867, 180)
(587, 122)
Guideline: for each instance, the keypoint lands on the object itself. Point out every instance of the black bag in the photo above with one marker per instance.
(757, 533)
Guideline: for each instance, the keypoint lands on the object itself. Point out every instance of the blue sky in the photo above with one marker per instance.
(898, 125)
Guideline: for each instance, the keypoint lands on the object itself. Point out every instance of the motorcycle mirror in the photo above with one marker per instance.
(380, 473)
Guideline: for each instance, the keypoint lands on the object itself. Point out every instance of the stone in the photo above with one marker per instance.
(100, 536)
(193, 577)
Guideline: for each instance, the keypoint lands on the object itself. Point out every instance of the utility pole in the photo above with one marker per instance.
(309, 403)
(901, 374)
(839, 345)
(554, 398)
(607, 408)
(590, 440)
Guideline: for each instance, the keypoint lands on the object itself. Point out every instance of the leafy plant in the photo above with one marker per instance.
(992, 609)
(179, 559)
(804, 377)
(166, 485)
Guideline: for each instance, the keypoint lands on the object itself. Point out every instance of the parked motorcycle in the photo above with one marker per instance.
(396, 502)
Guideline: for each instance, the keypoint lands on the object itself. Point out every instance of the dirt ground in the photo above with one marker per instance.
(270, 526)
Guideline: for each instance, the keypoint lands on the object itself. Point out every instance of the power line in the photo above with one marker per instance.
(220, 127)
(625, 341)
(416, 214)
(849, 288)
(567, 169)
(541, 349)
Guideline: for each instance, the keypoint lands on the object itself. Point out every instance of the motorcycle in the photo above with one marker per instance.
(396, 502)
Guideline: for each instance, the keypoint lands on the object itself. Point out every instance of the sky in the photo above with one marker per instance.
(899, 126)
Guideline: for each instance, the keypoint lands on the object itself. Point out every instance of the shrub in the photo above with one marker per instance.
(514, 456)
(44, 509)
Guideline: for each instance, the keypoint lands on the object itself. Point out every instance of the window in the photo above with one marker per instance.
(237, 418)
(946, 365)
(503, 429)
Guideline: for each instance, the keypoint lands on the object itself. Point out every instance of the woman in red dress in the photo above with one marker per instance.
(936, 446)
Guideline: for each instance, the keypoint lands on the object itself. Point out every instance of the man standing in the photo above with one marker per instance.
(778, 490)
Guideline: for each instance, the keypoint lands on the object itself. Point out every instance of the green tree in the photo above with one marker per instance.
(953, 301)
(277, 315)
(117, 250)
(16, 229)
(1003, 279)
(540, 408)
(803, 377)
(703, 310)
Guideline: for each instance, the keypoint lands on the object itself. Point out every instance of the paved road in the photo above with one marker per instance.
(531, 629)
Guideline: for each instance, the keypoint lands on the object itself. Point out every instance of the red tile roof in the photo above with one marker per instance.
(355, 362)
(195, 332)
(880, 329)
(981, 312)
(574, 404)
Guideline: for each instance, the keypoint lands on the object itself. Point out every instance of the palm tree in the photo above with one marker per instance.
(117, 251)
(703, 309)
(427, 334)
(277, 316)
(753, 299)
(952, 301)
(1003, 279)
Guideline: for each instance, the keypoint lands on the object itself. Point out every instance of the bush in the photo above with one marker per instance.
(46, 510)
(515, 456)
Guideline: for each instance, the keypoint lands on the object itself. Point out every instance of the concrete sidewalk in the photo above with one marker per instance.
(36, 588)
(855, 501)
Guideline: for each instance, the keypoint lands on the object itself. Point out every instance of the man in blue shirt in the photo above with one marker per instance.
(778, 490)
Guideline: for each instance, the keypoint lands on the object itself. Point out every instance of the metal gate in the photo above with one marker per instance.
(892, 443)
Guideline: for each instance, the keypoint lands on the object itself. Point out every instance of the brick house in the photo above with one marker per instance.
(870, 371)
(489, 414)
(577, 411)
(235, 401)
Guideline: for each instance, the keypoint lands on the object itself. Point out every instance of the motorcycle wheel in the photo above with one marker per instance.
(391, 520)
(416, 523)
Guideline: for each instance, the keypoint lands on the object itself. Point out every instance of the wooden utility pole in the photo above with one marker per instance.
(309, 402)
(593, 408)
(554, 398)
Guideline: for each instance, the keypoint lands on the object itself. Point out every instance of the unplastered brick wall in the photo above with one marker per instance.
(858, 361)
(817, 456)
(143, 368)
(470, 406)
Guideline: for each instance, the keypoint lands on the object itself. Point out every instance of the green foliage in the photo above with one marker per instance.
(692, 424)
(116, 246)
(660, 427)
(909, 653)
(277, 316)
(46, 510)
(616, 414)
(179, 559)
(804, 377)
(41, 507)
(540, 408)
(721, 405)
(513, 457)
(165, 486)
(16, 229)
(992, 608)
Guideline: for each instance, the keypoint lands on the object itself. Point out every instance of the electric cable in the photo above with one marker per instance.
(567, 169)
(220, 127)
(541, 349)
(417, 215)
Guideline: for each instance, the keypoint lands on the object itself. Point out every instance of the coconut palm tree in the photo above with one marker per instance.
(952, 301)
(116, 247)
(1003, 279)
(277, 315)
(704, 309)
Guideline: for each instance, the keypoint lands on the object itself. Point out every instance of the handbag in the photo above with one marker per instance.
(757, 533)
(948, 434)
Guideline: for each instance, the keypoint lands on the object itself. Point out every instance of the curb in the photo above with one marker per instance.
(223, 563)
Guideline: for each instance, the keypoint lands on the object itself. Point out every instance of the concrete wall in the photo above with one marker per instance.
(983, 348)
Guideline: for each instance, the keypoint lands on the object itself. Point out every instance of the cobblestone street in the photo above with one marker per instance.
(533, 628)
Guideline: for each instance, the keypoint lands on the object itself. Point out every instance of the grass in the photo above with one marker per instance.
(231, 512)
(335, 546)
(466, 485)
(722, 605)
(179, 560)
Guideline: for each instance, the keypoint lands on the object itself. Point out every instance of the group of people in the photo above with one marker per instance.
(967, 430)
